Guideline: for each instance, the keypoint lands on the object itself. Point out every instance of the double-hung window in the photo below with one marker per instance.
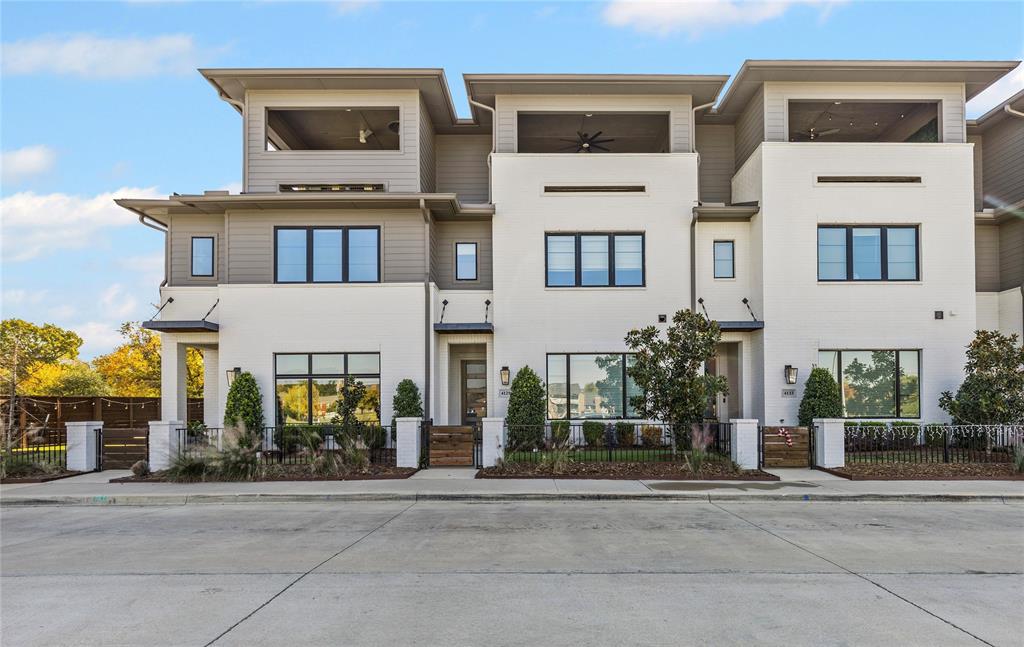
(725, 259)
(327, 254)
(202, 256)
(868, 253)
(465, 262)
(590, 386)
(876, 383)
(308, 386)
(594, 260)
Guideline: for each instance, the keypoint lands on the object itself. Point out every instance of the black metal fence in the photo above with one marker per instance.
(295, 444)
(615, 442)
(40, 446)
(912, 443)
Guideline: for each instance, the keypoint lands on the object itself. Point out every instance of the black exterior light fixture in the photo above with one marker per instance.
(791, 372)
(505, 375)
(232, 373)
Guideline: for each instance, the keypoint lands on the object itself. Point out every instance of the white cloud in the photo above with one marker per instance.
(665, 17)
(65, 311)
(347, 7)
(116, 302)
(996, 93)
(147, 270)
(98, 337)
(95, 57)
(34, 224)
(19, 297)
(25, 162)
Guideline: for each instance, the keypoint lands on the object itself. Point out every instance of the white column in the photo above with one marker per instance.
(163, 442)
(829, 446)
(407, 453)
(211, 388)
(743, 442)
(172, 379)
(82, 445)
(493, 441)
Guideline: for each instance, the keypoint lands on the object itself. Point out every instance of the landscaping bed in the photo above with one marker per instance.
(928, 472)
(285, 473)
(36, 472)
(38, 477)
(653, 471)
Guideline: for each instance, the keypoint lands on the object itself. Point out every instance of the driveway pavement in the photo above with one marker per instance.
(518, 573)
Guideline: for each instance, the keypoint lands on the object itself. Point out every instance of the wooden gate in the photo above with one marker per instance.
(785, 446)
(451, 446)
(122, 448)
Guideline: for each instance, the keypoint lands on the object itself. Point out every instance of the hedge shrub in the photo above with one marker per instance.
(625, 434)
(593, 433)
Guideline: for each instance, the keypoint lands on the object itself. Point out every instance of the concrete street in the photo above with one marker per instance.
(521, 573)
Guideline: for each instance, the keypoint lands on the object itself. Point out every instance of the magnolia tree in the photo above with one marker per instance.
(992, 392)
(669, 370)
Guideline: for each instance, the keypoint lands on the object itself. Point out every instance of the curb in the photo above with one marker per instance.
(689, 497)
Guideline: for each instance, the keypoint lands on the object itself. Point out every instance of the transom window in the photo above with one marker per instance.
(327, 255)
(202, 256)
(590, 386)
(465, 262)
(309, 385)
(725, 261)
(867, 254)
(876, 383)
(595, 260)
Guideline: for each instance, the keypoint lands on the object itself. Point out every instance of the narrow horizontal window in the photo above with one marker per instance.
(330, 188)
(202, 256)
(327, 255)
(868, 253)
(869, 179)
(595, 260)
(624, 188)
(876, 383)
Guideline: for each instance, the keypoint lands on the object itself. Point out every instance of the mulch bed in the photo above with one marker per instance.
(927, 472)
(291, 473)
(621, 471)
(41, 478)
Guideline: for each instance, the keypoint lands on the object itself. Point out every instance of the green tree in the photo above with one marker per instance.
(669, 370)
(244, 404)
(349, 404)
(66, 379)
(992, 392)
(870, 385)
(526, 413)
(821, 397)
(133, 368)
(407, 402)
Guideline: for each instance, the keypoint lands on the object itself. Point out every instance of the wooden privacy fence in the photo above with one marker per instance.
(117, 413)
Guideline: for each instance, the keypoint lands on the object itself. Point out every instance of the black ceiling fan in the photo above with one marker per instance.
(586, 143)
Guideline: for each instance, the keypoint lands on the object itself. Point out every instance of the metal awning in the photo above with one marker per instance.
(740, 326)
(181, 326)
(726, 212)
(484, 327)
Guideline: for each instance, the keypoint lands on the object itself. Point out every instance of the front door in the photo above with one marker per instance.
(474, 390)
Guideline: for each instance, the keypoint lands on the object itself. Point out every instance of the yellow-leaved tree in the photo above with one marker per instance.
(133, 368)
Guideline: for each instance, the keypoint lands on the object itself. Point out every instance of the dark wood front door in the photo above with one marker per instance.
(474, 390)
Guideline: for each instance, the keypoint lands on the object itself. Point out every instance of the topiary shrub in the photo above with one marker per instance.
(244, 404)
(625, 434)
(407, 402)
(593, 433)
(560, 433)
(822, 398)
(527, 404)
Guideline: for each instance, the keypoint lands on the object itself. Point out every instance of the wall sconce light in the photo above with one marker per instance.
(232, 373)
(791, 372)
(505, 373)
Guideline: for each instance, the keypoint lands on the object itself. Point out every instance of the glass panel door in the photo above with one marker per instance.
(474, 390)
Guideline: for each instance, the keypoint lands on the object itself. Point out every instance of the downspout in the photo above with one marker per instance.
(1010, 111)
(426, 309)
(693, 126)
(494, 145)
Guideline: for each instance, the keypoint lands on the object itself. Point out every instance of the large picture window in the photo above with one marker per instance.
(594, 260)
(867, 254)
(590, 386)
(308, 386)
(876, 383)
(327, 254)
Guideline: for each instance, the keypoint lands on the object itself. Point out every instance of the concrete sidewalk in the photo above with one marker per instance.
(94, 489)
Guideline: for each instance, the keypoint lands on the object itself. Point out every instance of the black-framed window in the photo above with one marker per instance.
(308, 386)
(868, 253)
(725, 259)
(876, 383)
(590, 385)
(327, 254)
(202, 255)
(465, 261)
(594, 259)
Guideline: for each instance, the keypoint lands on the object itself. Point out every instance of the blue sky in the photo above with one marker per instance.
(102, 99)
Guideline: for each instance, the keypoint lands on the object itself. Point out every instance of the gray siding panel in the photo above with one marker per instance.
(750, 129)
(449, 233)
(716, 147)
(251, 240)
(462, 166)
(179, 248)
(428, 171)
(1011, 254)
(1003, 163)
(986, 258)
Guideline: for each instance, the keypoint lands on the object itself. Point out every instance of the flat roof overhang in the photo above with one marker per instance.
(999, 216)
(180, 326)
(996, 115)
(725, 212)
(704, 88)
(442, 205)
(481, 328)
(740, 326)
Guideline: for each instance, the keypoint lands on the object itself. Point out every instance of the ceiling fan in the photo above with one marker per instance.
(587, 143)
(813, 133)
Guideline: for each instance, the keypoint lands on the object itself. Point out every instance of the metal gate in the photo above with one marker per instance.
(119, 449)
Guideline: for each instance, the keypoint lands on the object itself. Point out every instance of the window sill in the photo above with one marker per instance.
(725, 280)
(596, 288)
(875, 283)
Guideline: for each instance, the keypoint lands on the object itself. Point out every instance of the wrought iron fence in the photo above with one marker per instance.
(40, 446)
(615, 442)
(912, 443)
(296, 444)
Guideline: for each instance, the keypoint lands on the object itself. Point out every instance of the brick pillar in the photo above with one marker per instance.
(163, 442)
(829, 442)
(173, 374)
(407, 453)
(83, 445)
(743, 442)
(493, 441)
